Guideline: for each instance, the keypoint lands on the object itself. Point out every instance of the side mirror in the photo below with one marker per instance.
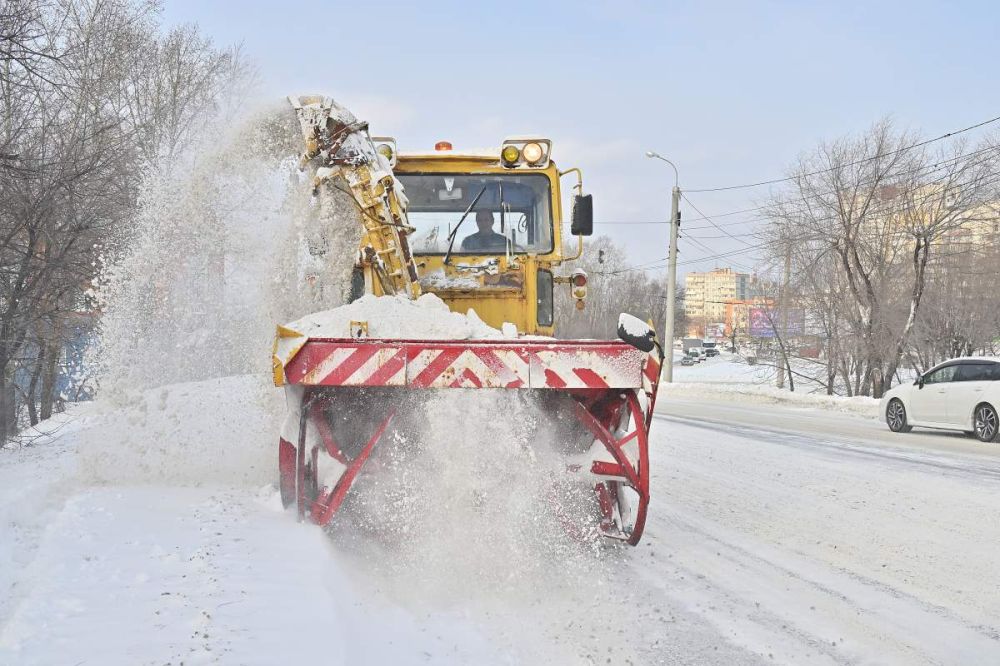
(583, 215)
(636, 332)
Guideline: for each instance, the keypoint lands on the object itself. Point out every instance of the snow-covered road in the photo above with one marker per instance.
(776, 535)
(809, 536)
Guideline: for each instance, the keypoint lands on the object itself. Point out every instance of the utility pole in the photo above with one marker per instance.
(668, 327)
(783, 317)
(675, 223)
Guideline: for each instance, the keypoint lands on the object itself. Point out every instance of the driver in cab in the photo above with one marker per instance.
(484, 240)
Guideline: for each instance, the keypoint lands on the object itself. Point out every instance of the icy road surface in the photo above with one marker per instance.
(776, 535)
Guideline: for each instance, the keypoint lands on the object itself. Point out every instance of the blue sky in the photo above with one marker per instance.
(731, 92)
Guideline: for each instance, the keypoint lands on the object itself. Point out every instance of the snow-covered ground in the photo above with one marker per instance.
(729, 377)
(147, 532)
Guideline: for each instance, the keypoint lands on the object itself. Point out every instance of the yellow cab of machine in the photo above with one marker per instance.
(487, 228)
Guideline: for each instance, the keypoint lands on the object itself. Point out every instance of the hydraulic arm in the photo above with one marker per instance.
(343, 156)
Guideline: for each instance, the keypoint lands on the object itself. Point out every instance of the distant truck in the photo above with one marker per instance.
(691, 343)
(702, 348)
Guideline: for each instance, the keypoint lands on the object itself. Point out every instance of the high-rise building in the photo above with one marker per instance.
(706, 294)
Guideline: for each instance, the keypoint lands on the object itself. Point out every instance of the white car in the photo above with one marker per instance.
(960, 394)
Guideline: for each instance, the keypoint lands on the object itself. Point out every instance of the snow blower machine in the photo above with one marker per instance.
(482, 231)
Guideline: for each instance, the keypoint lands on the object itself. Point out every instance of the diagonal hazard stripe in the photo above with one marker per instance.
(434, 369)
(313, 371)
(506, 375)
(590, 378)
(388, 370)
(467, 379)
(341, 373)
(553, 380)
(652, 369)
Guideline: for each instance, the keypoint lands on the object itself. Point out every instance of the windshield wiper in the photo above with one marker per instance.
(507, 239)
(454, 232)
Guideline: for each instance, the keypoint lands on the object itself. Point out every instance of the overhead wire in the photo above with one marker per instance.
(899, 151)
(927, 169)
(657, 264)
(711, 221)
(912, 205)
(916, 203)
(930, 169)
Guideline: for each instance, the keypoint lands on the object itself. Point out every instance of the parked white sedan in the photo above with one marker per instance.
(961, 394)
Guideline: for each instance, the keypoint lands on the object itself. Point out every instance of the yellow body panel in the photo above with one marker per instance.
(510, 295)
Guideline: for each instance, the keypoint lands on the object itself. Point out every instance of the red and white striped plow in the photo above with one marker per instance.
(343, 395)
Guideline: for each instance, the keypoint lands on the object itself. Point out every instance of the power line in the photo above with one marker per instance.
(774, 181)
(698, 242)
(723, 255)
(657, 264)
(711, 221)
(930, 169)
(711, 252)
(690, 219)
(647, 266)
(617, 224)
(915, 204)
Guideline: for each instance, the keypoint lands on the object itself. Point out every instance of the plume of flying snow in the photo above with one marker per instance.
(228, 241)
(469, 490)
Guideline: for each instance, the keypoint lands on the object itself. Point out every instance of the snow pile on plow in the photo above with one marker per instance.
(426, 318)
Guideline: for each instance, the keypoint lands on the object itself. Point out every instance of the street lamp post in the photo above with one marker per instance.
(668, 327)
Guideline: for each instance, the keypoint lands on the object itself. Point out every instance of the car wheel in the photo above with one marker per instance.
(895, 416)
(987, 423)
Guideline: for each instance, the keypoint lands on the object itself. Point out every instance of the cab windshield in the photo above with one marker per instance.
(510, 210)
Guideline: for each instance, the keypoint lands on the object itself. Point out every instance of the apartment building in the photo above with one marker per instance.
(706, 295)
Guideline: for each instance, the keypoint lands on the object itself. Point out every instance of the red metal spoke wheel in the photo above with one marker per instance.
(622, 490)
(635, 491)
(286, 471)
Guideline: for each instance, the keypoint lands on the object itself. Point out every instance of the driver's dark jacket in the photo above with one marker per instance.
(490, 242)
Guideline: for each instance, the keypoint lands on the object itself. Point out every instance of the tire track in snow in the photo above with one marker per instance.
(773, 598)
(831, 443)
(787, 605)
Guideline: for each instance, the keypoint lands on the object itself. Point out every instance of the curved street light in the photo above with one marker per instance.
(668, 325)
(652, 154)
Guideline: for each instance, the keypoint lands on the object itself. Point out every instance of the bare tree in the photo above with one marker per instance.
(76, 133)
(613, 287)
(882, 206)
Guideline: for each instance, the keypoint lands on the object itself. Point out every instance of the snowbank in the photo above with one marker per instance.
(768, 394)
(218, 432)
(730, 378)
(426, 318)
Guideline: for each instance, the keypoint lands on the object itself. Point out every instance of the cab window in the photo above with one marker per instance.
(975, 372)
(504, 210)
(941, 375)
